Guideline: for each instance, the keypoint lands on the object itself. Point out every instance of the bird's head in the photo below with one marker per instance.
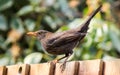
(40, 34)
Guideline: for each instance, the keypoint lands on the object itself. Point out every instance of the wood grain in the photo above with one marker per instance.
(18, 69)
(42, 69)
(86, 67)
(112, 67)
(2, 70)
(70, 69)
(90, 67)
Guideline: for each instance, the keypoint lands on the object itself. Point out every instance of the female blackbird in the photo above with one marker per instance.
(63, 42)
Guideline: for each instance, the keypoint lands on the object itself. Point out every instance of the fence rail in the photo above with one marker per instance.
(87, 67)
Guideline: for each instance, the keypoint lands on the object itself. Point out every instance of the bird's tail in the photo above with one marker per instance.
(85, 25)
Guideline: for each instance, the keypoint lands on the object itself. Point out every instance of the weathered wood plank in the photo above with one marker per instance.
(112, 67)
(42, 69)
(70, 69)
(2, 70)
(90, 67)
(18, 69)
(86, 67)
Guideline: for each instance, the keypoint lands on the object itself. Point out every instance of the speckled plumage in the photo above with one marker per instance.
(64, 42)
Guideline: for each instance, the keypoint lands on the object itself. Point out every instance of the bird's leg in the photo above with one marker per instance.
(56, 60)
(62, 58)
(83, 33)
(64, 63)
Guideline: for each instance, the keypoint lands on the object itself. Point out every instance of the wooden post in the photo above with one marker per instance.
(18, 69)
(42, 69)
(86, 67)
(90, 67)
(112, 67)
(2, 70)
(71, 68)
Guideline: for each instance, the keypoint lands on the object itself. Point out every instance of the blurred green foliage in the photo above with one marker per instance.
(17, 17)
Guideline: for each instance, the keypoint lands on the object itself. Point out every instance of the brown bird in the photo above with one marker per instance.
(63, 42)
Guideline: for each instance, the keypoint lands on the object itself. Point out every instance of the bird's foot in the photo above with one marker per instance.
(53, 61)
(62, 66)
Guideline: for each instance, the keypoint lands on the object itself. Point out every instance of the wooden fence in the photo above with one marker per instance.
(87, 67)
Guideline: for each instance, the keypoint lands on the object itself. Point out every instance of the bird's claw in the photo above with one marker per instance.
(62, 66)
(54, 61)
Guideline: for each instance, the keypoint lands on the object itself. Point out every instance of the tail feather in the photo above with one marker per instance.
(85, 25)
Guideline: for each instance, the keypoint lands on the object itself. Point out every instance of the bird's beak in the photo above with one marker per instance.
(32, 34)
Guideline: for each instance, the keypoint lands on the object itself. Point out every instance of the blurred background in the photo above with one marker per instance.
(17, 17)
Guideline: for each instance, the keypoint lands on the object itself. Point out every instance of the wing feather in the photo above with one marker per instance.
(63, 39)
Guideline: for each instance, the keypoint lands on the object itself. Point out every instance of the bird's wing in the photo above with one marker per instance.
(64, 39)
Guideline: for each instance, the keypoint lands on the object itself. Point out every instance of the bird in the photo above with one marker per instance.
(63, 42)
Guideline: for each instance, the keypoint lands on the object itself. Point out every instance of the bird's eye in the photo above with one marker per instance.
(39, 33)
